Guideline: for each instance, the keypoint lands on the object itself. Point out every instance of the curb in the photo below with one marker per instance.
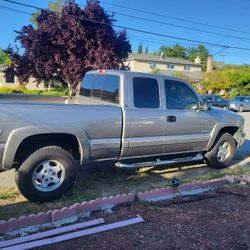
(64, 215)
(185, 190)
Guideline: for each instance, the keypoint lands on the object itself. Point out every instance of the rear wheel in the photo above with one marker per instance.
(222, 153)
(46, 174)
(241, 109)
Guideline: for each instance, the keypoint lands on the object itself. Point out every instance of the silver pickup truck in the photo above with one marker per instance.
(131, 119)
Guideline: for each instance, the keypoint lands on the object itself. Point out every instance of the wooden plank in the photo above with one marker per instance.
(77, 234)
(52, 232)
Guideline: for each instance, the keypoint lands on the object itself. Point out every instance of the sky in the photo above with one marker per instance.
(231, 15)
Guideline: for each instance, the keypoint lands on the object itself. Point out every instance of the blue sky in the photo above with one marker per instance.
(232, 14)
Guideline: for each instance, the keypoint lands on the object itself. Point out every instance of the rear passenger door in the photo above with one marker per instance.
(145, 118)
(186, 128)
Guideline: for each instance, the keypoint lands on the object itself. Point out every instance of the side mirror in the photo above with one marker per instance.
(205, 105)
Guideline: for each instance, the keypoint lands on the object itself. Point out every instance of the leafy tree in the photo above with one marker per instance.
(200, 51)
(139, 50)
(233, 79)
(4, 58)
(156, 71)
(52, 6)
(64, 47)
(177, 51)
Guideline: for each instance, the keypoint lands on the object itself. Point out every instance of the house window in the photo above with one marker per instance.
(170, 66)
(9, 76)
(152, 65)
(187, 67)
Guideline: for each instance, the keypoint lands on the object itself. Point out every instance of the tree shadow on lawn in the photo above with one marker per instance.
(100, 180)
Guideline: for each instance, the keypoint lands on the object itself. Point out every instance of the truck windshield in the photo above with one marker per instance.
(101, 86)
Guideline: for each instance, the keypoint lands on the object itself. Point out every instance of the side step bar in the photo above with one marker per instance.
(158, 162)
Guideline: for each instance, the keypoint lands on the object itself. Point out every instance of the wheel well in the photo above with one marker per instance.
(229, 130)
(32, 143)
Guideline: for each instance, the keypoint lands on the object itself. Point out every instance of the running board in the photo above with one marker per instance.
(158, 162)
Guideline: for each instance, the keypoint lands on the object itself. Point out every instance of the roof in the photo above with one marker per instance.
(194, 75)
(157, 58)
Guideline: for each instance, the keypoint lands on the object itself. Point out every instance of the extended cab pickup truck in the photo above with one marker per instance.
(130, 119)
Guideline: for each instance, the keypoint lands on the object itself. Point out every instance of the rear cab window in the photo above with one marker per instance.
(101, 86)
(146, 93)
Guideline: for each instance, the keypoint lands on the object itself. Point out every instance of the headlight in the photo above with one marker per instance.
(232, 105)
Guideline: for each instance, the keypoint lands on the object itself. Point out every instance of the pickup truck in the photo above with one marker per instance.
(130, 119)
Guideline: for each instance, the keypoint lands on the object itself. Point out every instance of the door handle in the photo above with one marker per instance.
(171, 118)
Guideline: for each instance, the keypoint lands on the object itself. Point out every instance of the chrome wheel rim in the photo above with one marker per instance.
(224, 151)
(48, 175)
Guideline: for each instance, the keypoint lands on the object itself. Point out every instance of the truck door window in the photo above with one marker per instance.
(87, 85)
(179, 95)
(146, 92)
(110, 90)
(104, 87)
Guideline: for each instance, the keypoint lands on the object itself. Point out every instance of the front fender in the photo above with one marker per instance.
(18, 135)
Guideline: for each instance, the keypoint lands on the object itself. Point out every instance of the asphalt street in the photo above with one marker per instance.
(7, 178)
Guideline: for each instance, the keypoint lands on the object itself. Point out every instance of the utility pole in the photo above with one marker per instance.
(222, 60)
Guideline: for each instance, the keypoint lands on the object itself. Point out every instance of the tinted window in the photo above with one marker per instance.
(146, 93)
(239, 98)
(105, 87)
(110, 91)
(179, 95)
(87, 85)
(98, 85)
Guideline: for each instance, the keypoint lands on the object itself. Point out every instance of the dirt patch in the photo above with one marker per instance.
(100, 181)
(216, 223)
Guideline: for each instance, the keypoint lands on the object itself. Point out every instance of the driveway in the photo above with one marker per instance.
(7, 179)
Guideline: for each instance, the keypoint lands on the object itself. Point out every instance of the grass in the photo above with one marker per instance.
(9, 194)
(23, 90)
(100, 181)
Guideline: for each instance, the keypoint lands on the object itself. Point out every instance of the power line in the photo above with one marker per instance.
(132, 29)
(176, 18)
(180, 26)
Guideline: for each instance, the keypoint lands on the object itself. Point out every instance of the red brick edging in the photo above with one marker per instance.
(185, 189)
(72, 213)
(66, 214)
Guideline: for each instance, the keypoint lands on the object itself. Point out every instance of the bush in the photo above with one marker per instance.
(23, 90)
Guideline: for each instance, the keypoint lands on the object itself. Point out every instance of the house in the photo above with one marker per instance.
(166, 65)
(9, 80)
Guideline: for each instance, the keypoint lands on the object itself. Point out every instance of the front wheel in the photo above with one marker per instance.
(241, 109)
(46, 174)
(222, 153)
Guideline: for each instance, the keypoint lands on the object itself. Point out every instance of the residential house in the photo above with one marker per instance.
(11, 81)
(167, 65)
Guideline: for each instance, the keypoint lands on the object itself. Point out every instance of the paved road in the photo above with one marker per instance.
(7, 179)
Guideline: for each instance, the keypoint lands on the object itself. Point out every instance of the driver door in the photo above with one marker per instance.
(187, 128)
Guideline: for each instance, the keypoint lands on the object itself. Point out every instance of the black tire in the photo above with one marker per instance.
(241, 109)
(212, 157)
(29, 185)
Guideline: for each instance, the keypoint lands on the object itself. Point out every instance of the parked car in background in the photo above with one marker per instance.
(216, 101)
(240, 103)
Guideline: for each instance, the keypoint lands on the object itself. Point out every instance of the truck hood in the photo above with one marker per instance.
(227, 118)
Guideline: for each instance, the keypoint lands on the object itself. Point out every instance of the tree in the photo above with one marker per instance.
(139, 50)
(177, 51)
(52, 6)
(233, 79)
(200, 51)
(66, 46)
(146, 50)
(4, 58)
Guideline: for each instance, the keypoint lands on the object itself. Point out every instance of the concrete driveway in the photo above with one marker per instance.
(7, 179)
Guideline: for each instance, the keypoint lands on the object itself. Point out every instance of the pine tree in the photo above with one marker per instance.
(146, 50)
(139, 51)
